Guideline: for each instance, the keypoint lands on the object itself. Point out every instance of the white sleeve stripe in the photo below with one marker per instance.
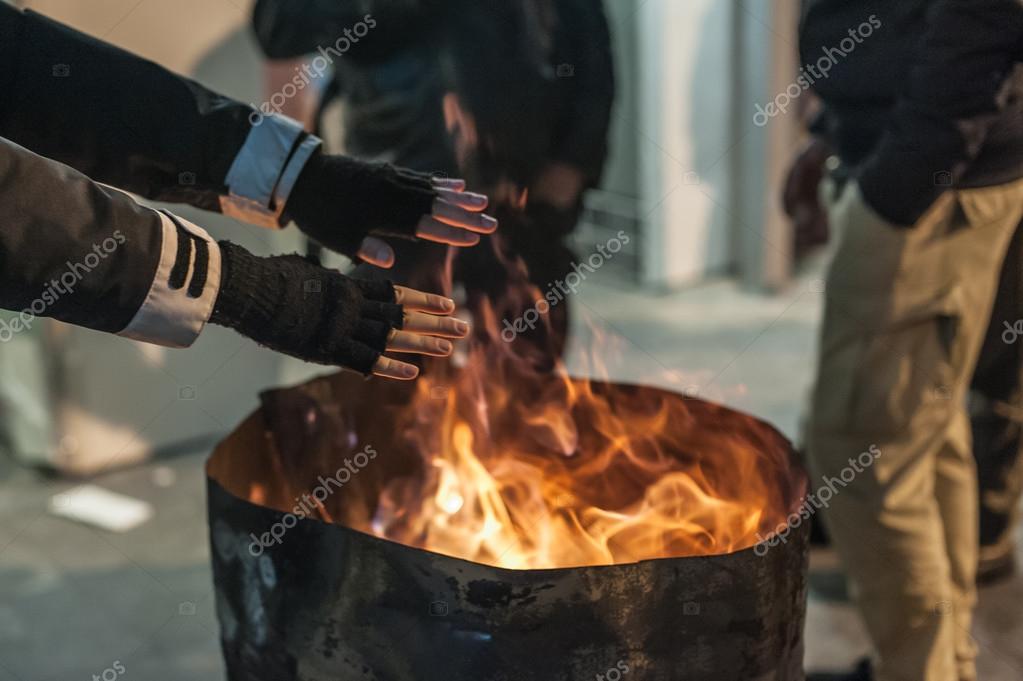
(171, 316)
(259, 163)
(263, 173)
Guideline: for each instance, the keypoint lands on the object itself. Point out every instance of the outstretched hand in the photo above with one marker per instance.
(426, 331)
(348, 205)
(296, 307)
(457, 220)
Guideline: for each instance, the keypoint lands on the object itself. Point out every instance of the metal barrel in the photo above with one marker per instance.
(329, 603)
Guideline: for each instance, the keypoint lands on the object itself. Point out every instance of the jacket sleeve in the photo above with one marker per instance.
(954, 94)
(292, 28)
(89, 255)
(584, 134)
(127, 122)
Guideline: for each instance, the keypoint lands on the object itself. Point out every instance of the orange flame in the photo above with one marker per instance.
(526, 469)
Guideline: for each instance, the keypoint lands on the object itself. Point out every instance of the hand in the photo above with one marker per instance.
(801, 198)
(295, 307)
(339, 202)
(425, 331)
(452, 223)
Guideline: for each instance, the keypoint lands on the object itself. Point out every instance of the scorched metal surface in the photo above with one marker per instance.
(328, 603)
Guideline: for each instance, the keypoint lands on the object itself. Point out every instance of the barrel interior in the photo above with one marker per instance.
(304, 435)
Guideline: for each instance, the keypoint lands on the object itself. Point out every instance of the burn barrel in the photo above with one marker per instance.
(303, 596)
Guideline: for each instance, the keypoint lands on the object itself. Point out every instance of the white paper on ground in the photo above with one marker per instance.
(100, 507)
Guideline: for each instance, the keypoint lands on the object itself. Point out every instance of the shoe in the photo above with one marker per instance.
(864, 672)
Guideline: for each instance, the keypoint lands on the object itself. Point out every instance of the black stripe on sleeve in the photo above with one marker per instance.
(179, 273)
(182, 261)
(202, 266)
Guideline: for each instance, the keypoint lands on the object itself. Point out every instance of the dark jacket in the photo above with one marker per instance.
(929, 98)
(125, 121)
(89, 255)
(394, 78)
(86, 254)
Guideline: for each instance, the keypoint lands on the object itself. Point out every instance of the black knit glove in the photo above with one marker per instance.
(300, 309)
(339, 201)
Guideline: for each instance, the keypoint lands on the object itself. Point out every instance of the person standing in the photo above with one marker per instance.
(512, 95)
(925, 113)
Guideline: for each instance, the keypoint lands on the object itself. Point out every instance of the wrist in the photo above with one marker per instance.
(304, 192)
(241, 275)
(310, 208)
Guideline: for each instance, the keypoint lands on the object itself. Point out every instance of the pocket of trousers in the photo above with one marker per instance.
(905, 368)
(889, 335)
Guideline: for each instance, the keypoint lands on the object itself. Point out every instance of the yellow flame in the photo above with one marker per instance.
(533, 469)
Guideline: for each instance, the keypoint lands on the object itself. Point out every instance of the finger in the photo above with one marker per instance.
(417, 301)
(452, 183)
(456, 216)
(404, 341)
(432, 325)
(376, 252)
(432, 229)
(467, 200)
(392, 368)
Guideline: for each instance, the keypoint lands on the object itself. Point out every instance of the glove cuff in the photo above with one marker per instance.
(245, 296)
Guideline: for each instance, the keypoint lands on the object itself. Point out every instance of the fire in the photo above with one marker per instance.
(503, 458)
(526, 468)
(508, 461)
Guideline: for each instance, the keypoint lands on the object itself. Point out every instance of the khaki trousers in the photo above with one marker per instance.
(905, 316)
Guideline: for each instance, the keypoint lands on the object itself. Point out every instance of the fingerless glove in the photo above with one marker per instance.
(339, 201)
(293, 306)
